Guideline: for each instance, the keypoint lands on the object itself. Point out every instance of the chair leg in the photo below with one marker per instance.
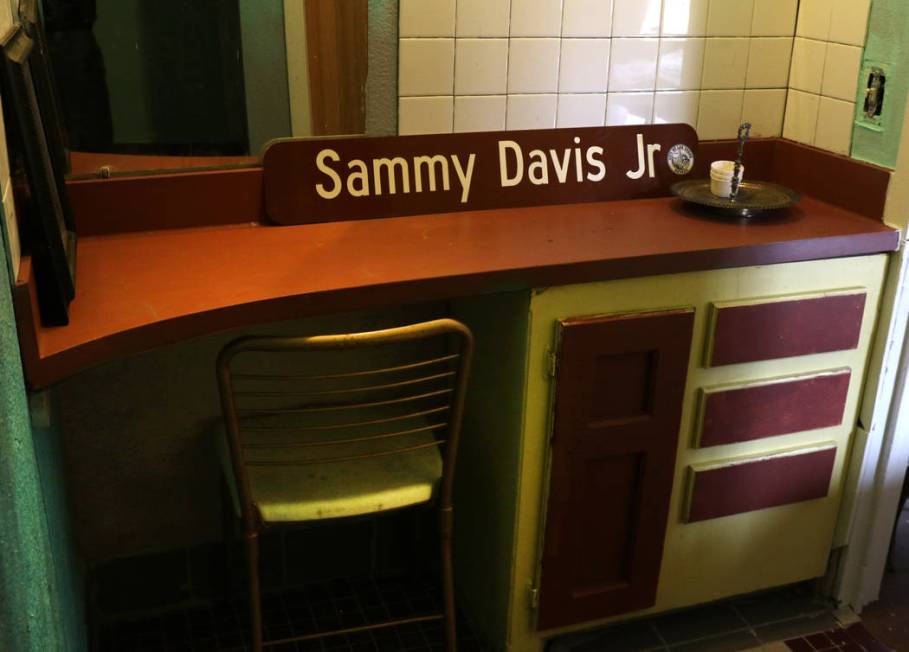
(446, 526)
(255, 595)
(228, 534)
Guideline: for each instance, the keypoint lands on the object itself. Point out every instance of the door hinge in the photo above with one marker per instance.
(534, 597)
(552, 363)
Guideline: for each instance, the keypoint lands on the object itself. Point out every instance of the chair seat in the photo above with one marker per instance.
(326, 490)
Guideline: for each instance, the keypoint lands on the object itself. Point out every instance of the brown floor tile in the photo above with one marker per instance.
(820, 641)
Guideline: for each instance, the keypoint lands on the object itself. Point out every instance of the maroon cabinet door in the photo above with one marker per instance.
(618, 398)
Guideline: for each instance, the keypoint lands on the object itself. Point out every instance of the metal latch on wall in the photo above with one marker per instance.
(874, 93)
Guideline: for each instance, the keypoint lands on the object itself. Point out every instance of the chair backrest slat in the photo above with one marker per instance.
(334, 407)
(346, 458)
(351, 424)
(337, 398)
(366, 372)
(349, 390)
(341, 442)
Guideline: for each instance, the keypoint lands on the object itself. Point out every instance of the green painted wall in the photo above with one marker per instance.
(265, 71)
(382, 81)
(42, 598)
(69, 570)
(887, 46)
(41, 605)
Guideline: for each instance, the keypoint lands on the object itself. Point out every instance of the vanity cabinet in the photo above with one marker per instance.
(619, 386)
(647, 444)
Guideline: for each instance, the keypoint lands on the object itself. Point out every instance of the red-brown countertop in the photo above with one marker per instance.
(140, 290)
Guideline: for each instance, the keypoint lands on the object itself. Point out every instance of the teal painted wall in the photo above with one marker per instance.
(33, 609)
(69, 570)
(382, 81)
(42, 600)
(887, 46)
(265, 71)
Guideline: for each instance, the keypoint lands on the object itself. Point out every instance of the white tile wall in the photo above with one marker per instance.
(676, 106)
(834, 125)
(712, 63)
(680, 64)
(725, 63)
(801, 116)
(425, 115)
(764, 108)
(481, 66)
(685, 17)
(807, 72)
(730, 17)
(636, 18)
(533, 65)
(536, 17)
(531, 111)
(841, 70)
(426, 66)
(719, 113)
(581, 110)
(629, 108)
(823, 79)
(477, 18)
(768, 62)
(591, 18)
(584, 65)
(427, 18)
(633, 64)
(774, 17)
(479, 113)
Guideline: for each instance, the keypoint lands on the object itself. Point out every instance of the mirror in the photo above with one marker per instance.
(159, 85)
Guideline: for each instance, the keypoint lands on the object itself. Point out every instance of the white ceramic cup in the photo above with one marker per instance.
(721, 177)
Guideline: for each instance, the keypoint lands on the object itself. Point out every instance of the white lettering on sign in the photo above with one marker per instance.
(465, 177)
(393, 175)
(642, 167)
(511, 164)
(437, 172)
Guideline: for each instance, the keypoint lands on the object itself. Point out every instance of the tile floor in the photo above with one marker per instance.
(785, 620)
(854, 638)
(326, 606)
(888, 618)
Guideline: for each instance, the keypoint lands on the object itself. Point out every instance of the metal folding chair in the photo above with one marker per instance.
(335, 426)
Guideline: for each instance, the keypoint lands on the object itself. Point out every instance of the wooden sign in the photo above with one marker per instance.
(322, 180)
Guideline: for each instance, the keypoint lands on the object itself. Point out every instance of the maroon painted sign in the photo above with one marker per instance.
(321, 180)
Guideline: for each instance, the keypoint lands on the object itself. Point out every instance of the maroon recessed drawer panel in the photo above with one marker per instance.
(754, 412)
(786, 328)
(769, 482)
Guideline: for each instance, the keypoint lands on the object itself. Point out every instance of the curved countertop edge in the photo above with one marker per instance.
(53, 354)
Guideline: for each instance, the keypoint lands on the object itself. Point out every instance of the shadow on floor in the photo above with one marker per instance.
(888, 618)
(326, 606)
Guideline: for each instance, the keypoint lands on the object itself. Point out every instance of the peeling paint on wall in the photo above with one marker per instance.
(878, 140)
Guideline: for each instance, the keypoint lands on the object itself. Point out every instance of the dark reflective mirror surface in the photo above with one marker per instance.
(151, 85)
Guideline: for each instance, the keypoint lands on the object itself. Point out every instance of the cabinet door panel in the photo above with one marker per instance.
(619, 389)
